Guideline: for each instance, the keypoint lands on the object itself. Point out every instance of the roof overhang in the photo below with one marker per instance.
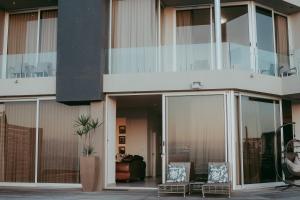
(283, 6)
(11, 5)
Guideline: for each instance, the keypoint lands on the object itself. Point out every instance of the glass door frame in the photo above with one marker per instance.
(37, 100)
(227, 115)
(240, 133)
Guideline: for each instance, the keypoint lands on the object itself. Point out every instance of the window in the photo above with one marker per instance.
(260, 118)
(58, 147)
(235, 36)
(196, 131)
(282, 44)
(134, 36)
(265, 42)
(193, 39)
(31, 44)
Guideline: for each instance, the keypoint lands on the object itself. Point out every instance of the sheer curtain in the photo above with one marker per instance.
(60, 148)
(281, 30)
(22, 48)
(134, 36)
(196, 131)
(48, 42)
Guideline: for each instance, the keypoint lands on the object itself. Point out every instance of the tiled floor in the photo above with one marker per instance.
(75, 194)
(148, 182)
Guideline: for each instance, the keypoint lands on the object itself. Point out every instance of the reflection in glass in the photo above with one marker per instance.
(265, 42)
(196, 131)
(235, 36)
(193, 39)
(17, 141)
(59, 155)
(259, 149)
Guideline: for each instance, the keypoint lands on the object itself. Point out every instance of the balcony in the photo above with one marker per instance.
(27, 66)
(197, 57)
(29, 44)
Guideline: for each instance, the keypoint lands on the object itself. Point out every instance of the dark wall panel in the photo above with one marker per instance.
(81, 50)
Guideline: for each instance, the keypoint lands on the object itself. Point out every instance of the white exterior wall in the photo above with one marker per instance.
(28, 86)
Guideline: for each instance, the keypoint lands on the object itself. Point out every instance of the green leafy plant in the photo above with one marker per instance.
(86, 129)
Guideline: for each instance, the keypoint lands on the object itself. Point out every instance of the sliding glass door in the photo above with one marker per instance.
(195, 133)
(37, 142)
(258, 149)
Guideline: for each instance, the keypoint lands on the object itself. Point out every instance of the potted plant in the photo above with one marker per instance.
(89, 164)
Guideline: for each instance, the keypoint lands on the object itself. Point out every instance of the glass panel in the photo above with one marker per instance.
(282, 44)
(134, 36)
(60, 150)
(196, 131)
(2, 19)
(22, 45)
(265, 41)
(48, 39)
(235, 36)
(193, 40)
(258, 128)
(17, 141)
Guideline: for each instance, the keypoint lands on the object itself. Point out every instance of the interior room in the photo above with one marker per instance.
(138, 141)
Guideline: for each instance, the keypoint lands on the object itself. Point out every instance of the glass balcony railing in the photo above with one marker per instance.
(195, 57)
(31, 65)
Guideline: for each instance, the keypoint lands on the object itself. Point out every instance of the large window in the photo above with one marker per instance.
(260, 118)
(265, 42)
(31, 44)
(134, 36)
(193, 39)
(54, 157)
(17, 141)
(196, 131)
(178, 39)
(235, 36)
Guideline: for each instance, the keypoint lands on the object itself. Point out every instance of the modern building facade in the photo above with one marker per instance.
(171, 80)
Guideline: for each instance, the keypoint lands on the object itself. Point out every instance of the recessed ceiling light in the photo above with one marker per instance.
(14, 3)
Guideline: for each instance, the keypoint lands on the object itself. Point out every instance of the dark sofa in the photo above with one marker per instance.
(131, 168)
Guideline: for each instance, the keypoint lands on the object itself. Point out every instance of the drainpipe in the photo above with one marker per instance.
(218, 34)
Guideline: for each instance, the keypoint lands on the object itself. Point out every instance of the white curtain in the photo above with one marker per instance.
(48, 42)
(196, 130)
(134, 36)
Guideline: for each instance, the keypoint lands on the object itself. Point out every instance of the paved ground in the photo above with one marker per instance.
(75, 194)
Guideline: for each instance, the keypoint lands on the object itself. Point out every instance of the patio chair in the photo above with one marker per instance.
(178, 177)
(218, 179)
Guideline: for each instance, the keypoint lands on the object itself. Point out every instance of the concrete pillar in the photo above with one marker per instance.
(97, 112)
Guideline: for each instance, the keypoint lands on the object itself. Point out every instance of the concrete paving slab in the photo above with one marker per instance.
(9, 193)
